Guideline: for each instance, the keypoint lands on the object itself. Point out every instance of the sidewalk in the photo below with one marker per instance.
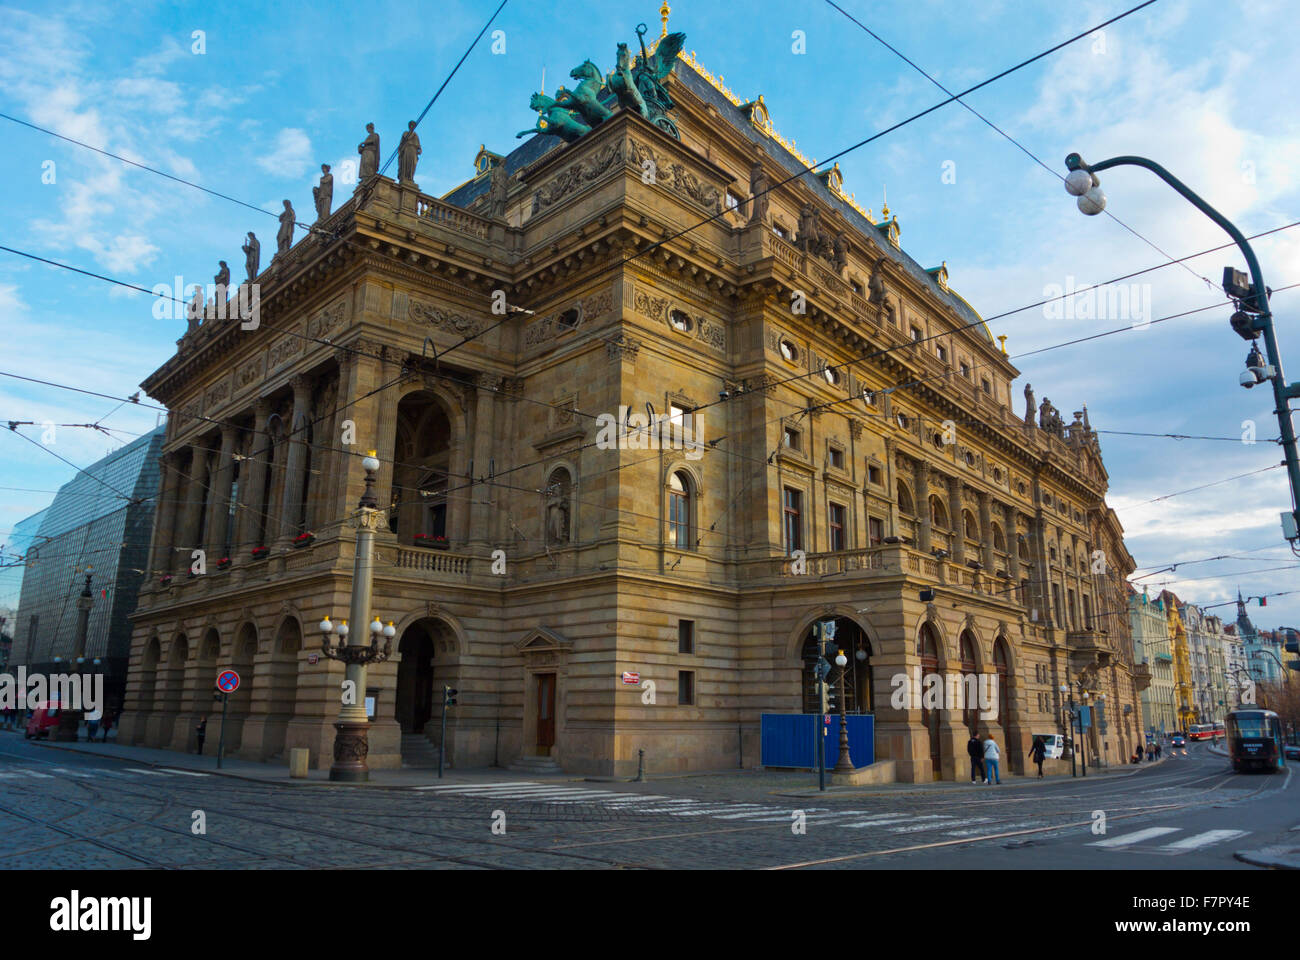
(733, 783)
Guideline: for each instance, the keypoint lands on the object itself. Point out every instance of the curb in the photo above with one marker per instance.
(1273, 858)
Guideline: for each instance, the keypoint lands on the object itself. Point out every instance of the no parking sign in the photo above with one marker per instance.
(227, 681)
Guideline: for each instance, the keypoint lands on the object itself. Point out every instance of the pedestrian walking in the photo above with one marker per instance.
(1151, 752)
(991, 757)
(108, 722)
(1157, 751)
(202, 731)
(1038, 753)
(975, 750)
(91, 727)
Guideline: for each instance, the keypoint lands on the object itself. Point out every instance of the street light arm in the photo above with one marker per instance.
(1075, 162)
(1263, 322)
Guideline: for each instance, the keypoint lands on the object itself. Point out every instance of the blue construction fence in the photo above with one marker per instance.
(790, 739)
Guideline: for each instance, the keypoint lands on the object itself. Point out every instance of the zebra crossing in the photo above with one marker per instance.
(1136, 841)
(19, 773)
(562, 795)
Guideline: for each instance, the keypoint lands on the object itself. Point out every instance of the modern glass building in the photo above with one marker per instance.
(102, 520)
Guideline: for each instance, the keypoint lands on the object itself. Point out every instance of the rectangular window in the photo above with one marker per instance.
(1069, 601)
(941, 352)
(916, 334)
(875, 531)
(873, 475)
(1087, 613)
(792, 510)
(790, 438)
(837, 527)
(780, 231)
(965, 369)
(836, 457)
(733, 201)
(685, 636)
(988, 387)
(685, 688)
(1056, 603)
(857, 287)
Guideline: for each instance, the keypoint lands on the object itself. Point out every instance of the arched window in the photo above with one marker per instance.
(999, 541)
(938, 513)
(928, 650)
(419, 504)
(559, 490)
(971, 524)
(1001, 666)
(969, 683)
(1023, 548)
(904, 500)
(679, 511)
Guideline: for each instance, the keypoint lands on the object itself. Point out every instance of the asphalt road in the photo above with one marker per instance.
(60, 809)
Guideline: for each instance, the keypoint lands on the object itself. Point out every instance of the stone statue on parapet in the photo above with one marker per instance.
(809, 239)
(222, 279)
(284, 236)
(1029, 404)
(324, 194)
(636, 84)
(252, 256)
(498, 189)
(369, 150)
(408, 153)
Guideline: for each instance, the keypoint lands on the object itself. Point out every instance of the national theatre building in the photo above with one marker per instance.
(835, 440)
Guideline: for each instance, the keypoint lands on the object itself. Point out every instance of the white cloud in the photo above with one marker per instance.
(291, 156)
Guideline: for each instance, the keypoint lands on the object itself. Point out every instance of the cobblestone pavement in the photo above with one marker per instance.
(64, 809)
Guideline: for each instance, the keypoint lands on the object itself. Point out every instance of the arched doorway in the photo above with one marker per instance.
(857, 680)
(145, 697)
(928, 650)
(415, 693)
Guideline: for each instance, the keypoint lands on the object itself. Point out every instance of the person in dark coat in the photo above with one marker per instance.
(1038, 753)
(976, 751)
(202, 731)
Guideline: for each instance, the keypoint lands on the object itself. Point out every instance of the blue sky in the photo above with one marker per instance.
(280, 89)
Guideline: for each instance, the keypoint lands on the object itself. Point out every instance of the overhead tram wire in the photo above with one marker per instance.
(713, 444)
(216, 193)
(808, 169)
(1020, 146)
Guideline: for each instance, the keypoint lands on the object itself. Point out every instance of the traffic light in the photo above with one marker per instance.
(1293, 646)
(449, 696)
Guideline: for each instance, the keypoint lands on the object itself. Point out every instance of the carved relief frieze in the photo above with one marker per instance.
(577, 175)
(674, 177)
(426, 313)
(283, 351)
(327, 321)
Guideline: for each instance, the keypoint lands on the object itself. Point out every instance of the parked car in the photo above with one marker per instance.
(42, 721)
(1292, 751)
(1178, 740)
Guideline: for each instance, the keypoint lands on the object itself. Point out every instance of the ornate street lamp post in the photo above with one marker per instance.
(351, 742)
(845, 763)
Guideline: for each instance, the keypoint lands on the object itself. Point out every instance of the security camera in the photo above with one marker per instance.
(1247, 379)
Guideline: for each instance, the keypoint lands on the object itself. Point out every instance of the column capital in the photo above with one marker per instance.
(301, 384)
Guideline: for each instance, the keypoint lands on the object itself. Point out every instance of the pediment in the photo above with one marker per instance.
(542, 638)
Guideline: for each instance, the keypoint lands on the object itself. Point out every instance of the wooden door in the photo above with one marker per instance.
(545, 712)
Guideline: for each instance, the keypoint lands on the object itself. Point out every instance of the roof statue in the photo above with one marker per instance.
(634, 84)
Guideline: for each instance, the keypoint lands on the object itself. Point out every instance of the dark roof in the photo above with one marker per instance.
(538, 146)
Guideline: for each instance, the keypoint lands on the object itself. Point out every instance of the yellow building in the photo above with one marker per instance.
(859, 460)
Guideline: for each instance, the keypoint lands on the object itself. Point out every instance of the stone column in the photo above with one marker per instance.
(253, 488)
(891, 488)
(986, 534)
(187, 534)
(921, 481)
(219, 506)
(486, 385)
(296, 459)
(956, 520)
(165, 511)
